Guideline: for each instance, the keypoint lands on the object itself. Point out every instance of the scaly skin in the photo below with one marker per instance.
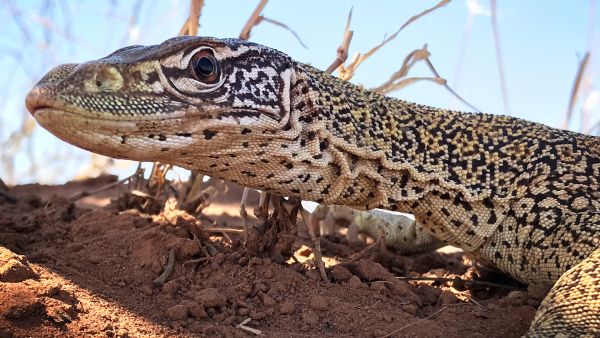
(521, 196)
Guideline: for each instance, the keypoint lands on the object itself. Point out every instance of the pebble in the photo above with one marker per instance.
(410, 308)
(355, 283)
(310, 317)
(211, 297)
(340, 274)
(243, 261)
(177, 312)
(287, 307)
(268, 300)
(447, 298)
(122, 333)
(318, 303)
(255, 261)
(269, 274)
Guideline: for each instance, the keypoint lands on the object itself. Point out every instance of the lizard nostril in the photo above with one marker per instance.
(108, 79)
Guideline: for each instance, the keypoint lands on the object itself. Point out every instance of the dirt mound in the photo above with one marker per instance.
(80, 270)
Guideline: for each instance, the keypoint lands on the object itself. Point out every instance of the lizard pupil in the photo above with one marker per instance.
(205, 66)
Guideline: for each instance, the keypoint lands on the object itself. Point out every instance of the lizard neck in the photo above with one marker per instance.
(402, 150)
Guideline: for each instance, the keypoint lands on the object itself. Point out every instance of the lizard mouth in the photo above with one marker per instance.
(36, 101)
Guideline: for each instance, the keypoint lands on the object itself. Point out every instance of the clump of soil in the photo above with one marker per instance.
(89, 270)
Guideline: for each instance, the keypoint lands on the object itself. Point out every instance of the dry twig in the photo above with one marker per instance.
(256, 18)
(316, 243)
(346, 72)
(575, 90)
(413, 323)
(190, 27)
(243, 326)
(342, 51)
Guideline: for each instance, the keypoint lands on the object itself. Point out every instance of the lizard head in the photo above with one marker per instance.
(185, 101)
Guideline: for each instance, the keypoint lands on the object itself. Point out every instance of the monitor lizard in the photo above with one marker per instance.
(518, 195)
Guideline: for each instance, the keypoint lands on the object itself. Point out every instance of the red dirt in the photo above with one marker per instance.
(87, 270)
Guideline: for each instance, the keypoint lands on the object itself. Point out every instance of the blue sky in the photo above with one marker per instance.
(542, 44)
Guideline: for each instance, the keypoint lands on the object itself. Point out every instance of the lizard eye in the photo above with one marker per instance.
(205, 67)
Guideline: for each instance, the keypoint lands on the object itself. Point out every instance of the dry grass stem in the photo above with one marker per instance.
(243, 326)
(575, 89)
(342, 51)
(346, 72)
(445, 84)
(256, 18)
(284, 26)
(413, 323)
(399, 79)
(191, 25)
(253, 20)
(316, 243)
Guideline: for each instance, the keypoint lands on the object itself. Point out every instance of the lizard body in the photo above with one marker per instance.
(519, 195)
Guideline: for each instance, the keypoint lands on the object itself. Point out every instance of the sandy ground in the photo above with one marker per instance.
(88, 269)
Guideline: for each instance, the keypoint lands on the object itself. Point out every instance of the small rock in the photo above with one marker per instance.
(14, 268)
(257, 315)
(514, 298)
(410, 308)
(287, 307)
(447, 298)
(177, 312)
(310, 317)
(243, 261)
(318, 303)
(243, 311)
(211, 297)
(122, 333)
(380, 287)
(269, 274)
(255, 261)
(170, 287)
(219, 258)
(370, 271)
(313, 274)
(261, 287)
(340, 274)
(268, 300)
(187, 249)
(355, 283)
(195, 310)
